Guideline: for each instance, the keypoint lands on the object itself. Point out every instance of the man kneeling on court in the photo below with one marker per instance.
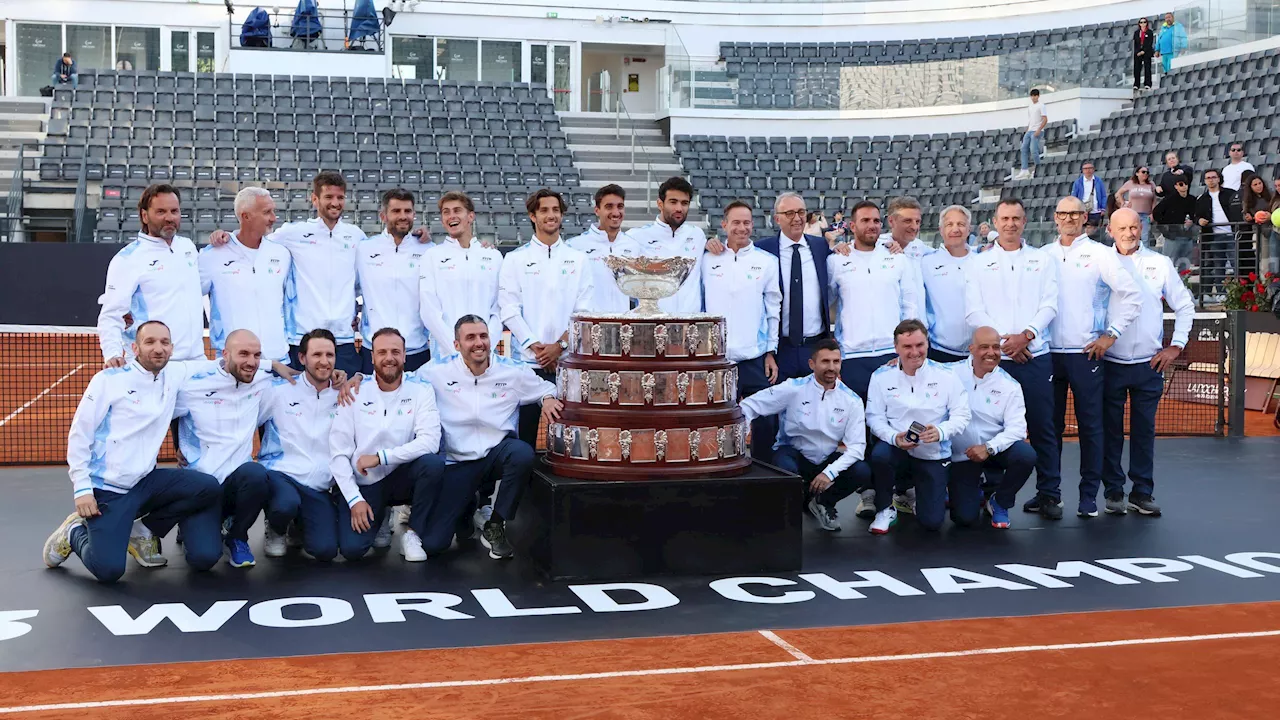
(819, 413)
(914, 406)
(994, 438)
(479, 395)
(217, 413)
(383, 452)
(115, 437)
(296, 419)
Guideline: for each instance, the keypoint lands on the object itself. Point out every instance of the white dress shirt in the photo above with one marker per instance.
(539, 288)
(742, 286)
(815, 322)
(457, 281)
(595, 244)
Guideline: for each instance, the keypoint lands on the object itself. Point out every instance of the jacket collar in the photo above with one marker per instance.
(534, 242)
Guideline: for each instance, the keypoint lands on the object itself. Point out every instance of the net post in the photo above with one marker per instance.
(1236, 373)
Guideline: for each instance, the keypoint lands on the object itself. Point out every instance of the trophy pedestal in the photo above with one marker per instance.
(597, 530)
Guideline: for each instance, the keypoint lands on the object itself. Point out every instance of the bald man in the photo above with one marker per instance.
(216, 414)
(1135, 367)
(994, 438)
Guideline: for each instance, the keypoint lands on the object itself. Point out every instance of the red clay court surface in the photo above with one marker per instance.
(1211, 662)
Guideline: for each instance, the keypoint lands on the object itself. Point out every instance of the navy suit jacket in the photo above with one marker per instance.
(820, 250)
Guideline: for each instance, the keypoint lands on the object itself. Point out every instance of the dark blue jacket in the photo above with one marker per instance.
(61, 69)
(818, 246)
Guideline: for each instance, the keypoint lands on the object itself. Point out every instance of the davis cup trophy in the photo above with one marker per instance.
(647, 395)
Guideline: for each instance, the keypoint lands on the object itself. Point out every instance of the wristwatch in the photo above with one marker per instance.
(564, 344)
(1029, 334)
(1111, 333)
(990, 450)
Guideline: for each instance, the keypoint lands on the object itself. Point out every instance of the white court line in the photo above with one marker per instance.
(627, 673)
(44, 392)
(796, 653)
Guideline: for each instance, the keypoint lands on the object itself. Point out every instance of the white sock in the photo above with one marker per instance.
(139, 530)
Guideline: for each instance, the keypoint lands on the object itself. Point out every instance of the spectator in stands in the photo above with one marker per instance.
(154, 278)
(1172, 171)
(1216, 209)
(905, 218)
(1255, 206)
(1175, 218)
(459, 275)
(986, 234)
(1273, 244)
(669, 235)
(1139, 194)
(1135, 366)
(1143, 49)
(1170, 42)
(838, 231)
(1233, 172)
(603, 239)
(542, 283)
(65, 72)
(1032, 139)
(388, 266)
(815, 224)
(1091, 191)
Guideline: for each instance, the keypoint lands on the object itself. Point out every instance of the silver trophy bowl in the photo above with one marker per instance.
(649, 279)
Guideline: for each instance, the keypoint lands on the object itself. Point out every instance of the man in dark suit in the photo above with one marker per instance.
(1216, 209)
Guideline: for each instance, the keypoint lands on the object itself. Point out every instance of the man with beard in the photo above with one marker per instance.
(296, 419)
(542, 284)
(914, 407)
(669, 236)
(606, 238)
(742, 286)
(217, 413)
(321, 287)
(818, 414)
(155, 277)
(1097, 302)
(245, 278)
(1013, 287)
(383, 452)
(459, 276)
(111, 453)
(873, 291)
(479, 395)
(388, 268)
(993, 438)
(1135, 365)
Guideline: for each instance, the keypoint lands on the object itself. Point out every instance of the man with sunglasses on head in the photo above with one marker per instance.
(1097, 301)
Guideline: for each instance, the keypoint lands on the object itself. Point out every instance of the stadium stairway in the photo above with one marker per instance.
(602, 150)
(22, 122)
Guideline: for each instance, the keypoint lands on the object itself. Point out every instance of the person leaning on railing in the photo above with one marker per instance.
(1175, 218)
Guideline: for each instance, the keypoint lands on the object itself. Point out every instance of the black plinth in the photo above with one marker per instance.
(595, 530)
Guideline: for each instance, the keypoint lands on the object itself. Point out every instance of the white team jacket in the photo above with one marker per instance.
(943, 276)
(246, 292)
(322, 284)
(296, 421)
(539, 288)
(398, 426)
(1095, 294)
(657, 239)
(153, 280)
(1012, 292)
(933, 396)
(217, 416)
(743, 287)
(457, 281)
(873, 292)
(120, 423)
(998, 414)
(387, 277)
(1156, 279)
(477, 412)
(814, 420)
(594, 243)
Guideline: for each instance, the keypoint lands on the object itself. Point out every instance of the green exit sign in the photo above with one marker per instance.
(553, 14)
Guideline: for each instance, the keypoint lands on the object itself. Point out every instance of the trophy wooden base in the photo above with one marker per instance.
(594, 530)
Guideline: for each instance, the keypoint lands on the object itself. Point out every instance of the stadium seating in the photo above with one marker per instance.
(213, 134)
(807, 75)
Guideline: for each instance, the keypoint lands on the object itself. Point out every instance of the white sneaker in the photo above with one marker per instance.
(274, 546)
(826, 516)
(885, 519)
(402, 515)
(482, 516)
(1032, 172)
(866, 509)
(383, 538)
(146, 551)
(1021, 175)
(58, 547)
(411, 547)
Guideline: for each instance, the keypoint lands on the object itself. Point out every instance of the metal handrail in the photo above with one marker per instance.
(619, 109)
(13, 213)
(82, 201)
(282, 26)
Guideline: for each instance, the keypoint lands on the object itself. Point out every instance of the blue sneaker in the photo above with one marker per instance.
(241, 555)
(999, 516)
(1088, 508)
